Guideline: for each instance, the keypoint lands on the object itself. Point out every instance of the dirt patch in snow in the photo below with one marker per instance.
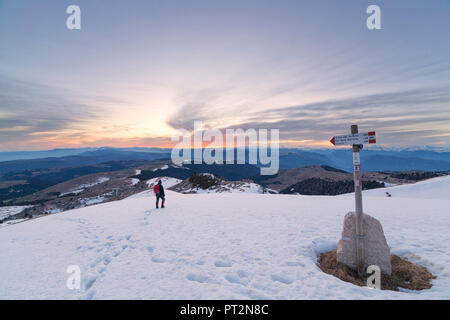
(404, 275)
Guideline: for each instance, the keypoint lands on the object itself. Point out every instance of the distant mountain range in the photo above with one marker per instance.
(57, 153)
(373, 159)
(91, 157)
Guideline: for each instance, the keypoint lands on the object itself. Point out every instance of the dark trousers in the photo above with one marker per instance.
(162, 200)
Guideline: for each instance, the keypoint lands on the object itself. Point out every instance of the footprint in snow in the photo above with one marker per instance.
(237, 279)
(89, 282)
(281, 278)
(197, 278)
(106, 260)
(243, 274)
(223, 264)
(102, 270)
(294, 264)
(158, 260)
(90, 295)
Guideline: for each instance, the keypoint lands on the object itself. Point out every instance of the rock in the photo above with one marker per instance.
(376, 249)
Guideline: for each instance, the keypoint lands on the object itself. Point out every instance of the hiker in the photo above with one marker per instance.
(158, 189)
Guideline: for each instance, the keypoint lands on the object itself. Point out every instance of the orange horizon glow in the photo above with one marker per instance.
(54, 143)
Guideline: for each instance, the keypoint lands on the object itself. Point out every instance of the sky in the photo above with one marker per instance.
(139, 70)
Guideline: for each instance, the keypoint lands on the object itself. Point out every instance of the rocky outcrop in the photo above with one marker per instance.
(318, 186)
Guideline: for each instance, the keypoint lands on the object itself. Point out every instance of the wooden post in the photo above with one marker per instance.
(358, 203)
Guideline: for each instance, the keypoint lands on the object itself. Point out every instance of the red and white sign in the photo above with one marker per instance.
(358, 138)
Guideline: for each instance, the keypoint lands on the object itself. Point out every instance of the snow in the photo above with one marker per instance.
(134, 181)
(228, 187)
(207, 175)
(93, 200)
(5, 212)
(77, 191)
(387, 184)
(165, 167)
(252, 188)
(10, 222)
(138, 172)
(221, 186)
(55, 210)
(180, 167)
(436, 188)
(167, 182)
(218, 246)
(81, 188)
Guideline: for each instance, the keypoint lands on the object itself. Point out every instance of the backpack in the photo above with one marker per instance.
(156, 189)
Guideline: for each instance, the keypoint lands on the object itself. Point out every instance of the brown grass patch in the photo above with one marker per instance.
(404, 273)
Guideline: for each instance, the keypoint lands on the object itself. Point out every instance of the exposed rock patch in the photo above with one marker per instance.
(404, 275)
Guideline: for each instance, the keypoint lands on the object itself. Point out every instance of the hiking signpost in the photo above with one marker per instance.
(354, 138)
(357, 140)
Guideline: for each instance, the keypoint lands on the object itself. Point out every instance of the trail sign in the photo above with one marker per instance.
(356, 140)
(353, 139)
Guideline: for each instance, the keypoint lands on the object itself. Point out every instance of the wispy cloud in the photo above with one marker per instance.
(28, 109)
(419, 115)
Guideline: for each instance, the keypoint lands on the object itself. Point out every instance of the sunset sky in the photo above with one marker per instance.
(138, 70)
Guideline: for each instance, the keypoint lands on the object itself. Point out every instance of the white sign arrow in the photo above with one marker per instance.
(358, 138)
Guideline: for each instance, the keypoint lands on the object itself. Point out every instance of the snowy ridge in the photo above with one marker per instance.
(230, 187)
(82, 187)
(209, 183)
(436, 188)
(165, 167)
(166, 181)
(5, 212)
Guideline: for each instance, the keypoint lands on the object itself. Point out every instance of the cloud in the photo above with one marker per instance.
(28, 108)
(420, 116)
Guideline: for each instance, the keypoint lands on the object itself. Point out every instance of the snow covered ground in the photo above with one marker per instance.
(81, 188)
(134, 181)
(166, 181)
(436, 188)
(92, 200)
(211, 246)
(5, 212)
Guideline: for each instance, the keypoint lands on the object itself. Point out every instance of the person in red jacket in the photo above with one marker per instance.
(158, 189)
